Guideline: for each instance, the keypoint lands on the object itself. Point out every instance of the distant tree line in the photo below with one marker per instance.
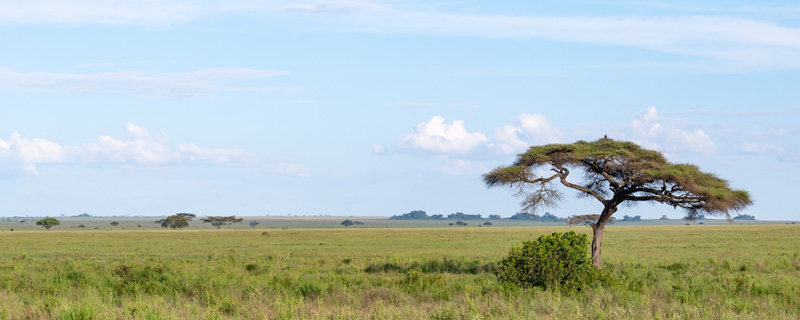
(422, 215)
(547, 217)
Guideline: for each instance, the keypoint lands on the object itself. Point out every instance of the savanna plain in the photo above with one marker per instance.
(723, 271)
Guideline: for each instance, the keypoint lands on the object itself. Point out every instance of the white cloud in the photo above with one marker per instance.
(141, 12)
(737, 42)
(138, 148)
(294, 169)
(648, 132)
(744, 42)
(780, 152)
(28, 153)
(759, 147)
(439, 137)
(461, 167)
(534, 128)
(140, 83)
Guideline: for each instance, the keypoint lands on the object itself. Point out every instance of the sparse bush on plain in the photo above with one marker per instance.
(555, 261)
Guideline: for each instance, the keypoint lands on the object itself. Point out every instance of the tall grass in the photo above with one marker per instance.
(698, 272)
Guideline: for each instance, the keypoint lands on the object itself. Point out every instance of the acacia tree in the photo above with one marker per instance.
(176, 221)
(615, 172)
(48, 223)
(220, 221)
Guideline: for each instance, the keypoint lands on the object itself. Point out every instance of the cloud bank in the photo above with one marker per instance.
(458, 149)
(745, 43)
(139, 83)
(647, 131)
(138, 148)
(439, 137)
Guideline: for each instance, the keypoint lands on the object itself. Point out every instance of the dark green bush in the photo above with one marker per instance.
(555, 261)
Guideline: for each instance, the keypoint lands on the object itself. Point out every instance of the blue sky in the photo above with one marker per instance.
(380, 107)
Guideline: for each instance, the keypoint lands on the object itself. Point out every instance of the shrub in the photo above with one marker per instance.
(555, 261)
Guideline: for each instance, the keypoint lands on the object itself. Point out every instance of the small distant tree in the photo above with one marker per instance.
(450, 224)
(664, 217)
(347, 223)
(744, 217)
(48, 223)
(495, 216)
(253, 224)
(487, 223)
(220, 221)
(358, 223)
(114, 223)
(461, 223)
(176, 221)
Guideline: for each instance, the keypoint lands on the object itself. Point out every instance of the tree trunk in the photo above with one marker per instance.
(597, 228)
(597, 240)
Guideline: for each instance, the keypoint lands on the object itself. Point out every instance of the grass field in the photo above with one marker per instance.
(692, 272)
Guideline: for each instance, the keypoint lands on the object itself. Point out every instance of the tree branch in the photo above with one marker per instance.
(564, 173)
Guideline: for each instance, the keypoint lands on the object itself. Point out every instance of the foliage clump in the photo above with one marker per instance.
(221, 221)
(175, 222)
(48, 223)
(556, 261)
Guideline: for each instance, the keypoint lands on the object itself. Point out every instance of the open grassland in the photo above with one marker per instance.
(695, 272)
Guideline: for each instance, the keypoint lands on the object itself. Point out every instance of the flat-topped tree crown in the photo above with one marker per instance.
(615, 172)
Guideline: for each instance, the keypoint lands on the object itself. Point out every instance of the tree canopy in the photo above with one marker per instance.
(176, 221)
(48, 223)
(221, 221)
(615, 172)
